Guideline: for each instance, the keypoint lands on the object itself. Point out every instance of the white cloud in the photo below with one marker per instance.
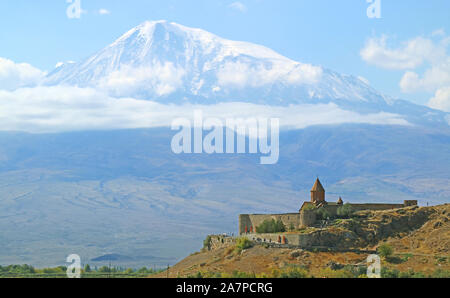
(104, 11)
(428, 53)
(163, 79)
(409, 55)
(441, 100)
(239, 6)
(435, 77)
(59, 109)
(15, 75)
(240, 75)
(439, 32)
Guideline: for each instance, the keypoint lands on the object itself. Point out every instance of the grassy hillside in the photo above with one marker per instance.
(420, 238)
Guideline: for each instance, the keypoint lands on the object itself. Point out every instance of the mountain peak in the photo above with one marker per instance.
(145, 29)
(149, 28)
(168, 62)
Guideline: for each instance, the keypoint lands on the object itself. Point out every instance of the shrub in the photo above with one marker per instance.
(295, 273)
(238, 274)
(385, 250)
(310, 207)
(411, 274)
(345, 211)
(271, 226)
(143, 270)
(389, 273)
(406, 257)
(441, 274)
(198, 275)
(207, 243)
(26, 269)
(104, 269)
(323, 214)
(441, 259)
(243, 243)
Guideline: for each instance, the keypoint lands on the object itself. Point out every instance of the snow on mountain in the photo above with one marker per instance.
(167, 62)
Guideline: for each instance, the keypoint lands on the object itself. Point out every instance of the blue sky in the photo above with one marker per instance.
(323, 32)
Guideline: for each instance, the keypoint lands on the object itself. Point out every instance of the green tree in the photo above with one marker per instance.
(310, 207)
(243, 243)
(385, 251)
(207, 243)
(323, 213)
(295, 273)
(271, 226)
(104, 269)
(345, 211)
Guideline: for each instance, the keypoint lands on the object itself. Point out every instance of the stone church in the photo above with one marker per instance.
(307, 215)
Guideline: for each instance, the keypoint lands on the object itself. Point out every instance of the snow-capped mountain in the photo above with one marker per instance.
(167, 62)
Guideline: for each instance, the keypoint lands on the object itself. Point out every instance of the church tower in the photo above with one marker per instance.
(317, 193)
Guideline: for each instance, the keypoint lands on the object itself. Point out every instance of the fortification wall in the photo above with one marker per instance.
(220, 241)
(376, 207)
(332, 209)
(280, 239)
(249, 222)
(307, 218)
(320, 239)
(411, 203)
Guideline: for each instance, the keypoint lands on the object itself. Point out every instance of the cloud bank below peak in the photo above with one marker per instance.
(63, 108)
(16, 75)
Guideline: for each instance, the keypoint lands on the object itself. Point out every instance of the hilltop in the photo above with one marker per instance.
(420, 238)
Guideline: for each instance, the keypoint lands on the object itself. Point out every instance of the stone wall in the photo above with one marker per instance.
(280, 239)
(251, 221)
(376, 207)
(332, 209)
(221, 241)
(319, 239)
(307, 218)
(411, 203)
(315, 240)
